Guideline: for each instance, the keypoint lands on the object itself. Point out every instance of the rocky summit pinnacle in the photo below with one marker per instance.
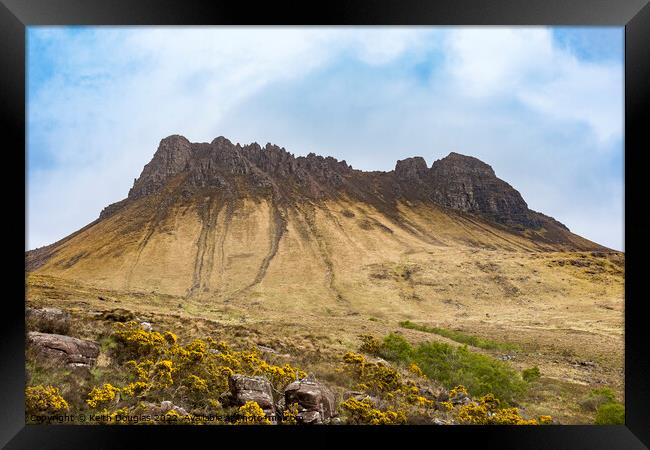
(457, 182)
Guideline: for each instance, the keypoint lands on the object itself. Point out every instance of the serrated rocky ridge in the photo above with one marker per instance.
(457, 182)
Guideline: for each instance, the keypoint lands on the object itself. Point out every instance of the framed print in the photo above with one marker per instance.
(363, 220)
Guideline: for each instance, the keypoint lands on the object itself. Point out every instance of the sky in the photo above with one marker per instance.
(542, 105)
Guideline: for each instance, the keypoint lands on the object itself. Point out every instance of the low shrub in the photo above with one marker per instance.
(457, 366)
(395, 348)
(398, 400)
(598, 397)
(545, 420)
(603, 402)
(460, 337)
(530, 375)
(415, 370)
(48, 322)
(372, 377)
(610, 414)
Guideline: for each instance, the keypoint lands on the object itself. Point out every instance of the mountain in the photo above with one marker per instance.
(222, 220)
(306, 259)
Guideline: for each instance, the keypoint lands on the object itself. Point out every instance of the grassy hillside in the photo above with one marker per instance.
(228, 248)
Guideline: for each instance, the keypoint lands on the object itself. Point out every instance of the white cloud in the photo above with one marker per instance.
(526, 65)
(382, 45)
(585, 92)
(495, 60)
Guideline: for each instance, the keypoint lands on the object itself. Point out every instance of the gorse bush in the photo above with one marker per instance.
(252, 414)
(135, 342)
(391, 399)
(369, 344)
(415, 370)
(545, 420)
(102, 396)
(363, 412)
(456, 366)
(400, 399)
(152, 367)
(372, 377)
(290, 414)
(48, 372)
(44, 400)
(202, 366)
(487, 412)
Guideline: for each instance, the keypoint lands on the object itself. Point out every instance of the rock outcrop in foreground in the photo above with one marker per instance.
(63, 350)
(245, 389)
(316, 403)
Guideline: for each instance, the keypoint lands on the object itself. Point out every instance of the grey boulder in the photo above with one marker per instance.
(316, 403)
(63, 350)
(252, 389)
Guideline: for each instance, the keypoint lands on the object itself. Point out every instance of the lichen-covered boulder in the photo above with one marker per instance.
(252, 389)
(47, 320)
(316, 403)
(63, 350)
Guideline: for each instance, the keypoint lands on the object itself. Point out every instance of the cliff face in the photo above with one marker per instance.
(457, 182)
(467, 184)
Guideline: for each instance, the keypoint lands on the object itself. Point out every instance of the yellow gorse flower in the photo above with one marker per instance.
(44, 399)
(102, 395)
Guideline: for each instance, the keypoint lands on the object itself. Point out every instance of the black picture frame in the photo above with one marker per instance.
(15, 15)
